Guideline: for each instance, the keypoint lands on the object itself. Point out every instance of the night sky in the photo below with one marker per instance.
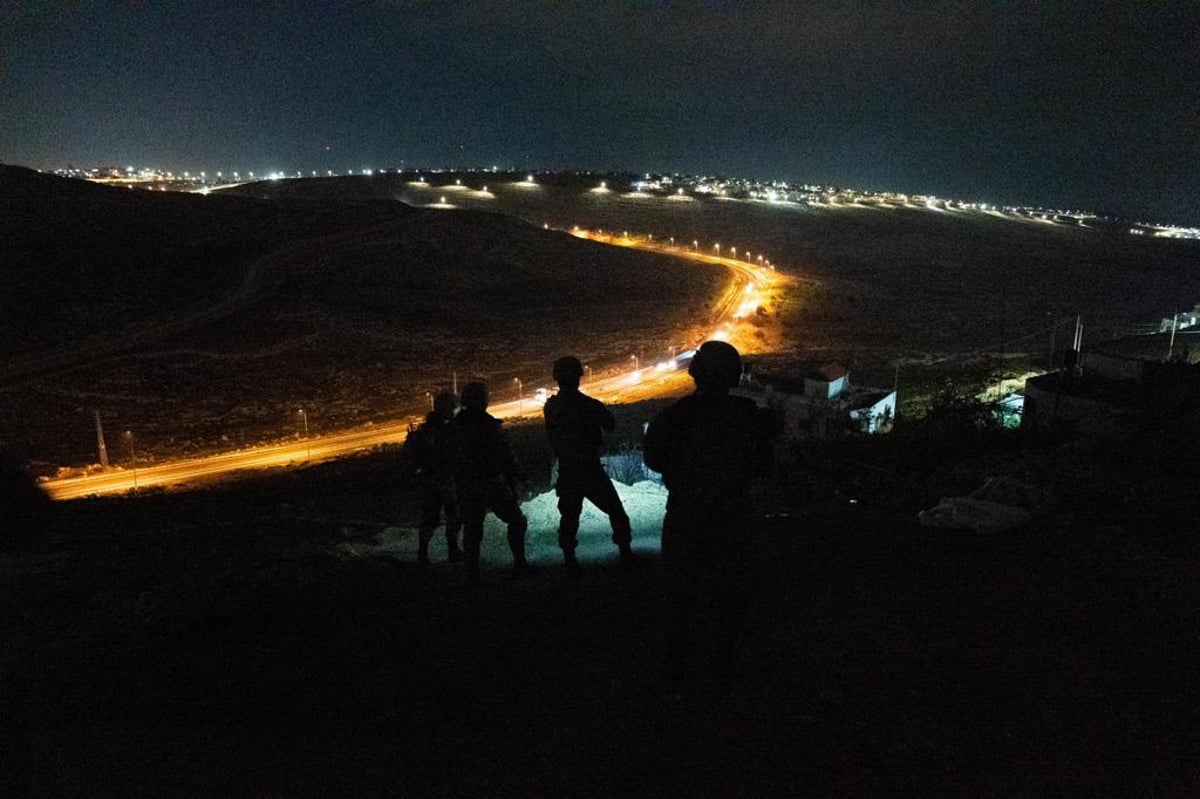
(1085, 105)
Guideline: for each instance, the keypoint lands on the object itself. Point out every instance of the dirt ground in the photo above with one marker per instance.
(221, 642)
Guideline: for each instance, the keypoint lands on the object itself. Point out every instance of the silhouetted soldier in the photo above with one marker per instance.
(431, 448)
(574, 425)
(710, 448)
(486, 476)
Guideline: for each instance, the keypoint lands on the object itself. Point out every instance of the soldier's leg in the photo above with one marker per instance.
(453, 526)
(570, 505)
(731, 587)
(473, 510)
(603, 494)
(679, 600)
(505, 506)
(431, 511)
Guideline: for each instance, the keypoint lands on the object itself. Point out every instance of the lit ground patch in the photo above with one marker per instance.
(645, 502)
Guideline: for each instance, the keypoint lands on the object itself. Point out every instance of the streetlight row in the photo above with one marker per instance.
(750, 257)
(302, 413)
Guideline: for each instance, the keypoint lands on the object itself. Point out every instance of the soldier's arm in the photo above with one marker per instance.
(507, 457)
(657, 445)
(605, 417)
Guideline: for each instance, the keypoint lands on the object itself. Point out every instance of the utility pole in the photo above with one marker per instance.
(307, 443)
(1053, 332)
(132, 458)
(454, 382)
(100, 443)
(1000, 372)
(1174, 326)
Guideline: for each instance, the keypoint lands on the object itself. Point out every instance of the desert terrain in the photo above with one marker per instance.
(273, 635)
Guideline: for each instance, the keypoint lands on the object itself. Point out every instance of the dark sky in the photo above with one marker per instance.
(1083, 105)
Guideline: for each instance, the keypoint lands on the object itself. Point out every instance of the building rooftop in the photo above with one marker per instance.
(829, 372)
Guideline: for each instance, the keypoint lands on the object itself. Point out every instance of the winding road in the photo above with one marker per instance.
(748, 288)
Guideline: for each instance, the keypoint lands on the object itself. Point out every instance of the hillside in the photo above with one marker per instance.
(81, 259)
(894, 281)
(202, 323)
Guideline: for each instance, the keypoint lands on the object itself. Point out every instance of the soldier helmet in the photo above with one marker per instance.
(716, 365)
(568, 369)
(445, 404)
(475, 395)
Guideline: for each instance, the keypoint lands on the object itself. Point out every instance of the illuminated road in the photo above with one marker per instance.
(627, 386)
(746, 292)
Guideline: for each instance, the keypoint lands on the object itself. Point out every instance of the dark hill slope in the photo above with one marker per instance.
(904, 280)
(79, 259)
(203, 322)
(485, 264)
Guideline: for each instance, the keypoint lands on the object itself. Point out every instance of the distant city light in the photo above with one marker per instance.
(829, 199)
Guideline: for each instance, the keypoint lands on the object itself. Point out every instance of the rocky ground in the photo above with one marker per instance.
(274, 637)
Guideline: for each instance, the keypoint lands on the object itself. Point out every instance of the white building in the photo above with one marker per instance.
(827, 405)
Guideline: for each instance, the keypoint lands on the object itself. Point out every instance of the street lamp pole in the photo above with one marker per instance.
(636, 363)
(132, 457)
(520, 395)
(307, 443)
(587, 370)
